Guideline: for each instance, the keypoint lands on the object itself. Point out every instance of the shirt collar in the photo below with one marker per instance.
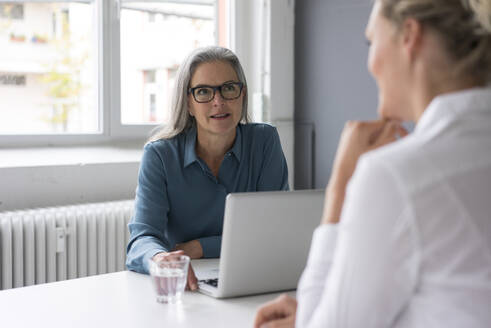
(448, 108)
(190, 146)
(237, 147)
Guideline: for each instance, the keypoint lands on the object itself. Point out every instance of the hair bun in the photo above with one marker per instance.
(482, 12)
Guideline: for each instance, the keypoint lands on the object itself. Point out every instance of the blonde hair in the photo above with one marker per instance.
(181, 120)
(464, 26)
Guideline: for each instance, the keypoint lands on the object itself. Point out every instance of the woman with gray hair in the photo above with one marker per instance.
(408, 242)
(208, 150)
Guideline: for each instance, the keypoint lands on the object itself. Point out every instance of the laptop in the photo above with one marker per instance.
(265, 243)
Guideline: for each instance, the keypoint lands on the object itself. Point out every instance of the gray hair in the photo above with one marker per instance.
(181, 120)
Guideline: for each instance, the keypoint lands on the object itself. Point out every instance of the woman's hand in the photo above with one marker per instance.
(192, 249)
(280, 312)
(356, 139)
(192, 281)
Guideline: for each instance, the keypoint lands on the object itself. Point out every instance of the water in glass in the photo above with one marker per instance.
(169, 284)
(169, 277)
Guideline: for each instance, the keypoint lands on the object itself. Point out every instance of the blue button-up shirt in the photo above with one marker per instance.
(178, 199)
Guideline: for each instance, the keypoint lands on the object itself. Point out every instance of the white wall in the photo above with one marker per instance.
(32, 187)
(264, 41)
(82, 175)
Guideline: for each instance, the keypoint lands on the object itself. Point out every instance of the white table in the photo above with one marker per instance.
(121, 299)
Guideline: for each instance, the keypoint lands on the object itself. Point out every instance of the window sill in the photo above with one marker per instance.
(57, 176)
(77, 155)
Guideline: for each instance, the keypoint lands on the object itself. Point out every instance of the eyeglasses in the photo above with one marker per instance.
(206, 93)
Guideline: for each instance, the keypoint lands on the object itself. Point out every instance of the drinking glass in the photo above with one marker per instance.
(169, 277)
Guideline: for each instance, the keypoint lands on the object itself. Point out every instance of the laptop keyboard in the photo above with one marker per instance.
(211, 282)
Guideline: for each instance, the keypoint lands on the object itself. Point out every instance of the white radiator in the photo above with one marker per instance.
(59, 243)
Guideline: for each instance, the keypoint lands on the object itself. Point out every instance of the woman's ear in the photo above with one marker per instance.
(411, 37)
(190, 110)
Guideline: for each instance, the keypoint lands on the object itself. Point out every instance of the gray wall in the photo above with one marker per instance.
(332, 82)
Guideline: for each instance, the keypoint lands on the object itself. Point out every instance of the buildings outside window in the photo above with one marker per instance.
(50, 64)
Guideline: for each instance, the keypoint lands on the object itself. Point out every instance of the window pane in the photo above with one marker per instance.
(155, 38)
(47, 75)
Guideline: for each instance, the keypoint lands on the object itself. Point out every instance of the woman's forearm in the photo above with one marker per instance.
(334, 200)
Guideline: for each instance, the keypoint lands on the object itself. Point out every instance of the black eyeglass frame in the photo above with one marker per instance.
(219, 88)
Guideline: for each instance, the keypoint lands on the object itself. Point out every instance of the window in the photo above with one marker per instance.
(91, 71)
(155, 37)
(11, 79)
(11, 11)
(47, 68)
(65, 72)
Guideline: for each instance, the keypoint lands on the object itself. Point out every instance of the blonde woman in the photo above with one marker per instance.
(408, 242)
(210, 149)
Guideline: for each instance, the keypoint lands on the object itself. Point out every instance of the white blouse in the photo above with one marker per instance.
(413, 248)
